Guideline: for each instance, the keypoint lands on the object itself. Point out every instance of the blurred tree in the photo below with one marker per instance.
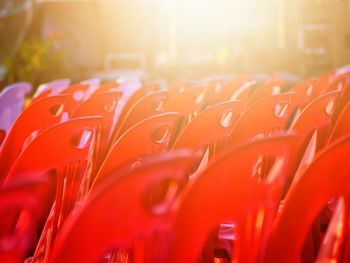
(36, 61)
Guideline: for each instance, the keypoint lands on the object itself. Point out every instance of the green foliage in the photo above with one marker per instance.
(36, 61)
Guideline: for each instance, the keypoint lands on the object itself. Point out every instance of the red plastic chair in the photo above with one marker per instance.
(342, 125)
(263, 118)
(177, 87)
(325, 81)
(210, 128)
(233, 86)
(342, 84)
(12, 101)
(228, 191)
(104, 105)
(313, 126)
(188, 103)
(106, 87)
(143, 108)
(220, 91)
(51, 88)
(138, 218)
(40, 115)
(339, 82)
(136, 96)
(77, 94)
(213, 88)
(270, 87)
(305, 92)
(93, 84)
(66, 149)
(317, 116)
(18, 238)
(325, 178)
(142, 141)
(2, 136)
(244, 92)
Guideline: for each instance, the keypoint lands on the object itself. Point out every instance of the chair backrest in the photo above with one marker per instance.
(318, 116)
(339, 82)
(38, 116)
(270, 87)
(104, 105)
(188, 103)
(131, 100)
(325, 178)
(342, 124)
(94, 229)
(244, 92)
(305, 92)
(2, 136)
(234, 88)
(143, 108)
(66, 149)
(12, 101)
(212, 90)
(342, 84)
(177, 87)
(93, 83)
(63, 147)
(263, 118)
(51, 88)
(106, 87)
(18, 237)
(77, 94)
(222, 90)
(227, 191)
(142, 141)
(210, 128)
(325, 81)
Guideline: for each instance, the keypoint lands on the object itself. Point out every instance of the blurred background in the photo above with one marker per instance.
(171, 39)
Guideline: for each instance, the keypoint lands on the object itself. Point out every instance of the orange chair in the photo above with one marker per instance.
(305, 92)
(271, 87)
(244, 92)
(2, 136)
(228, 191)
(77, 93)
(221, 90)
(143, 108)
(142, 141)
(342, 125)
(263, 118)
(138, 219)
(325, 178)
(104, 105)
(318, 116)
(40, 115)
(210, 128)
(188, 103)
(339, 82)
(64, 148)
(177, 87)
(143, 91)
(51, 88)
(18, 237)
(106, 87)
(213, 88)
(233, 89)
(325, 81)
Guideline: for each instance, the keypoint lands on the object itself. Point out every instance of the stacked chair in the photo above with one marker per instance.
(221, 170)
